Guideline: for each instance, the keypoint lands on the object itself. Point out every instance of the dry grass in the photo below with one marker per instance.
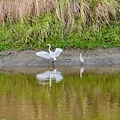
(16, 9)
(67, 11)
(105, 10)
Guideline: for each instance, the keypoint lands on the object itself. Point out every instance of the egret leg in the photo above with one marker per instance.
(53, 63)
(82, 64)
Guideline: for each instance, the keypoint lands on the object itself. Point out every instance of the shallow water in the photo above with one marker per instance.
(69, 93)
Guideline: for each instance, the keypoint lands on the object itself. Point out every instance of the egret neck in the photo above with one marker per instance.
(49, 47)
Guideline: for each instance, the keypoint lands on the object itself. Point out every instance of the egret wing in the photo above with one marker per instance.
(58, 51)
(58, 77)
(43, 54)
(43, 76)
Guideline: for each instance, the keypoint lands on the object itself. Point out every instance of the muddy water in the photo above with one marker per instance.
(69, 93)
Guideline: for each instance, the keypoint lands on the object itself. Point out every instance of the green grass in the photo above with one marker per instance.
(36, 34)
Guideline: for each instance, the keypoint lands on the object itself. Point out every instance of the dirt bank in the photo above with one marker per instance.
(68, 58)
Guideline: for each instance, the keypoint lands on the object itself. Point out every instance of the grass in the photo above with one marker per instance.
(22, 36)
(66, 24)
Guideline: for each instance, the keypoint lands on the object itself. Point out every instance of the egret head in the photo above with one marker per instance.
(48, 44)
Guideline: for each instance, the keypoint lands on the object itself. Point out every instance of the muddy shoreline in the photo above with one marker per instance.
(67, 58)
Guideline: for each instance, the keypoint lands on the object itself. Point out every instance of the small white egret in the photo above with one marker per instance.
(81, 59)
(50, 54)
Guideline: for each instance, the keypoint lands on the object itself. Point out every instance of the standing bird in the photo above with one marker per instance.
(50, 54)
(81, 59)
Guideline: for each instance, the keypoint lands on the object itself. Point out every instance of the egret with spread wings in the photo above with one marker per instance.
(50, 54)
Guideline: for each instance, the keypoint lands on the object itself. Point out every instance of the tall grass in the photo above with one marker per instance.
(67, 11)
(27, 24)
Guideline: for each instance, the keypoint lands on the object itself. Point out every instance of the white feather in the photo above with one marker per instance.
(50, 54)
(43, 54)
(81, 59)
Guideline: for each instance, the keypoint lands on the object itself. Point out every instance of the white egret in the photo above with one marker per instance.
(50, 54)
(81, 59)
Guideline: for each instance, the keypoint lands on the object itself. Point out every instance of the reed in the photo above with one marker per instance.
(67, 11)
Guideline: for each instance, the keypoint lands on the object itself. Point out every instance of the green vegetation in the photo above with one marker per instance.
(64, 23)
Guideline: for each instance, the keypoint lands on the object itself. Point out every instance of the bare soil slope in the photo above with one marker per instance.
(67, 57)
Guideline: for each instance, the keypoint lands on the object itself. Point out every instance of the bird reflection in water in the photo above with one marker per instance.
(81, 71)
(46, 77)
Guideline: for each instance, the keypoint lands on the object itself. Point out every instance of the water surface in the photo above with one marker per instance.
(69, 93)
